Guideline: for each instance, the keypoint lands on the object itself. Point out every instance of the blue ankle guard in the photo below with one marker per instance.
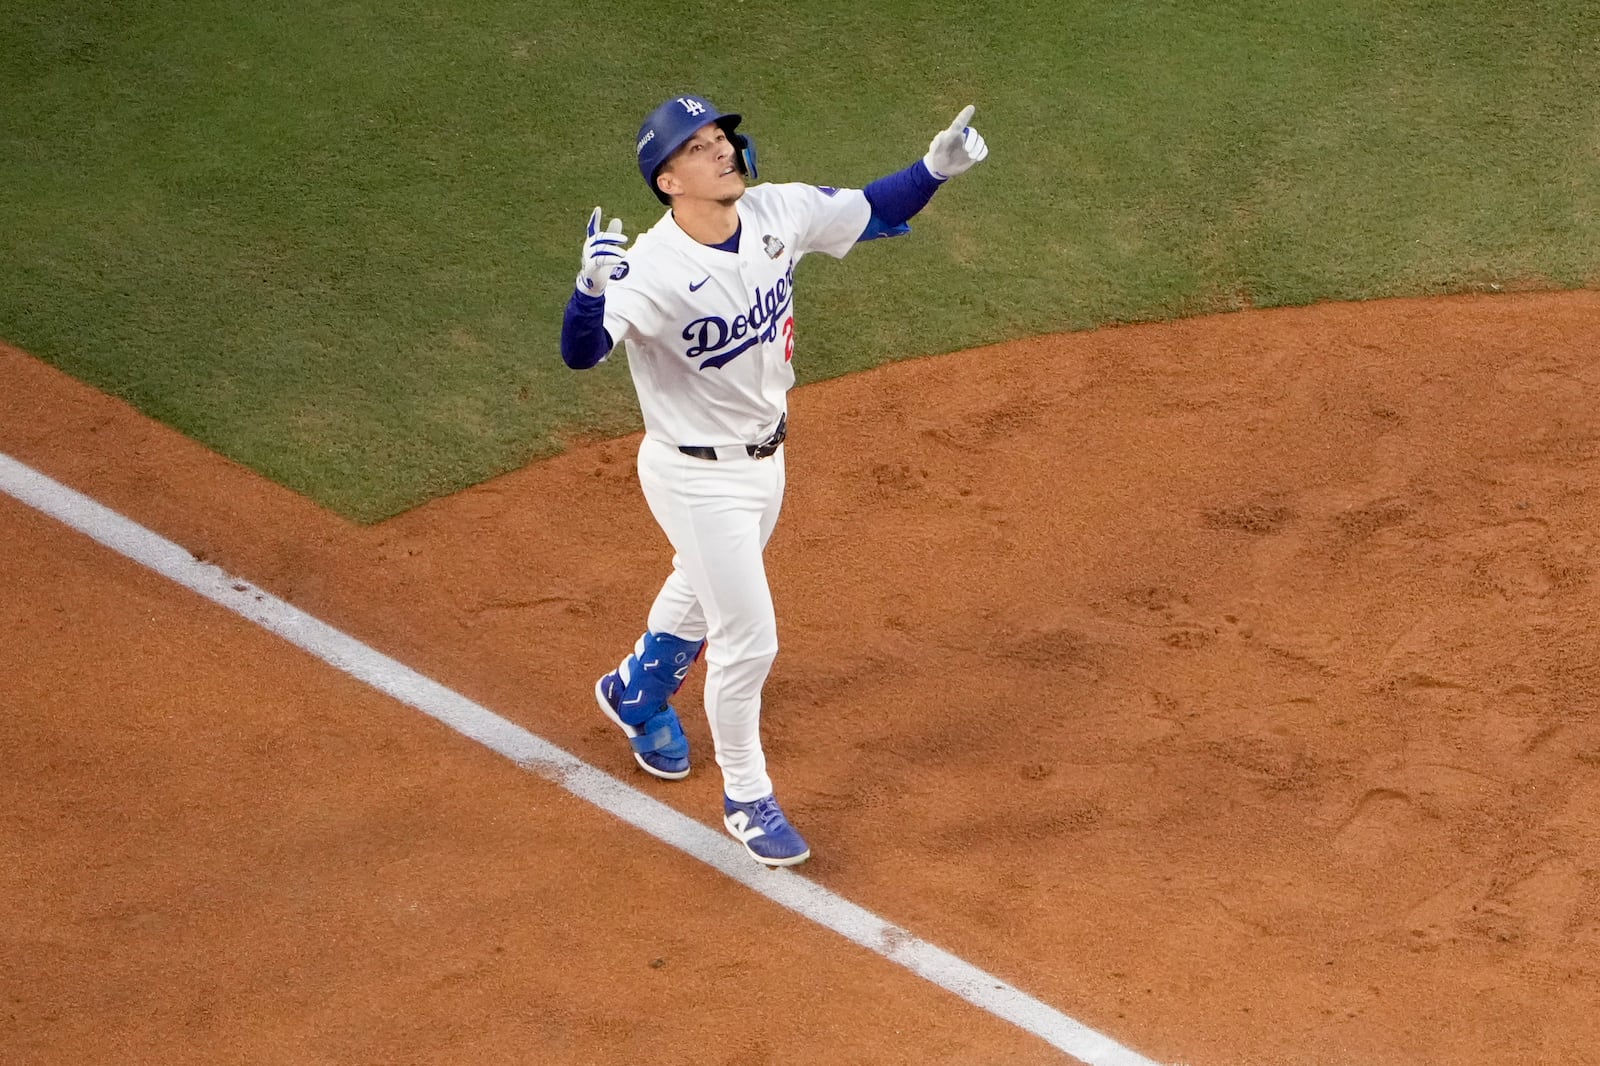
(655, 670)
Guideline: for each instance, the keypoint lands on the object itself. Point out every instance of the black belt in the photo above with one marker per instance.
(756, 451)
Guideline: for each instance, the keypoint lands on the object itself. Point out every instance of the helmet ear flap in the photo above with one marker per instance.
(744, 154)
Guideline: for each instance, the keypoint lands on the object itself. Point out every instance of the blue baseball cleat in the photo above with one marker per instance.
(658, 742)
(765, 833)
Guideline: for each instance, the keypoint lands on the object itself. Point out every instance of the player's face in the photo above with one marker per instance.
(703, 168)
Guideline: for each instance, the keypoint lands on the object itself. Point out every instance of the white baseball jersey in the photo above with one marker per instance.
(710, 333)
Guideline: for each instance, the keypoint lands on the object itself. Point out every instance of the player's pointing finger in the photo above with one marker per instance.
(962, 119)
(594, 222)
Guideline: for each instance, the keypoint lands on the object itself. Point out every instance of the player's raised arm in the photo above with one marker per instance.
(895, 198)
(584, 340)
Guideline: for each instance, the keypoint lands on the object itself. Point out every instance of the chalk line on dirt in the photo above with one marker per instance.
(710, 846)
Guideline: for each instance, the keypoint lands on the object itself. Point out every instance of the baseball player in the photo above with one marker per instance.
(704, 302)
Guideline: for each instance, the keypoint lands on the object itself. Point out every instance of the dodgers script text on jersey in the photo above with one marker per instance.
(711, 334)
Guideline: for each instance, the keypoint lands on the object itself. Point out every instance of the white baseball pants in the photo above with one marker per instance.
(719, 515)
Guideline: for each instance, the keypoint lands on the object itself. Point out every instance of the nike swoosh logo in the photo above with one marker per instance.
(694, 286)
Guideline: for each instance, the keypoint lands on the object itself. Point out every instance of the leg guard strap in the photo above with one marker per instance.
(662, 733)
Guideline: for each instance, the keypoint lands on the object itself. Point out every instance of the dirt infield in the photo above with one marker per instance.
(1230, 685)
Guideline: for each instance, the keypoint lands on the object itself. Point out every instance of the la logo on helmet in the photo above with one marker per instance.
(694, 107)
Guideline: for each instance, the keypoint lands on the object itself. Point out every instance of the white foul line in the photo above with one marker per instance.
(784, 887)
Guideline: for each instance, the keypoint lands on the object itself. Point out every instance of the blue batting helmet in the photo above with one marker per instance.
(673, 123)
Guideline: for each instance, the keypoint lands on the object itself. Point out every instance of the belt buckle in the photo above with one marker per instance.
(770, 446)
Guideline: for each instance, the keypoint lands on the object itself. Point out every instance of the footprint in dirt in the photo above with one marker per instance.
(1385, 821)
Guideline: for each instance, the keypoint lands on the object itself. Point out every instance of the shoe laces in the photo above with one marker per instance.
(770, 814)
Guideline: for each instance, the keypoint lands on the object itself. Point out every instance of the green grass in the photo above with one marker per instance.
(333, 241)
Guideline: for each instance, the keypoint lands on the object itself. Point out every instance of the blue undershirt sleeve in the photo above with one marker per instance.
(898, 196)
(584, 340)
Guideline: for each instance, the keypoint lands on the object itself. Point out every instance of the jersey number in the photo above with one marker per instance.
(788, 339)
